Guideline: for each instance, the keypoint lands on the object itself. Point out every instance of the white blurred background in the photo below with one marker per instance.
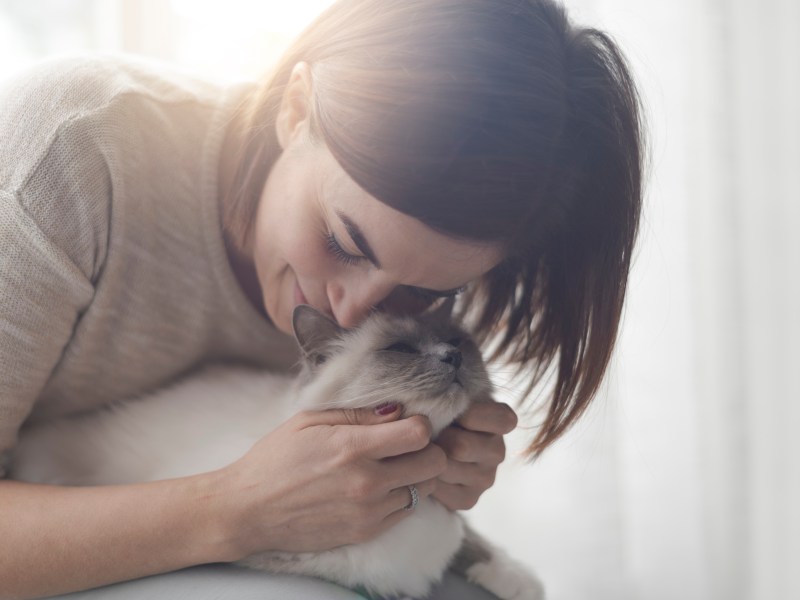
(684, 479)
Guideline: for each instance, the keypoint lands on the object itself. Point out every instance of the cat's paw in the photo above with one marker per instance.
(506, 579)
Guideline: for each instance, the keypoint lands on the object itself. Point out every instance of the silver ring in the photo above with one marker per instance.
(414, 498)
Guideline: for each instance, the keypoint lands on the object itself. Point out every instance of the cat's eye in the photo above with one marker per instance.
(455, 342)
(402, 347)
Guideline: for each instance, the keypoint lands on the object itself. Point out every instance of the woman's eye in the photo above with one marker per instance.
(339, 253)
(402, 347)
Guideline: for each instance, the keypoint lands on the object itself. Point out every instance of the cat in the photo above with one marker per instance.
(426, 363)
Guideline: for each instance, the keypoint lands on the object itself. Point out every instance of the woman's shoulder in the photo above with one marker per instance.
(38, 104)
(73, 85)
(70, 128)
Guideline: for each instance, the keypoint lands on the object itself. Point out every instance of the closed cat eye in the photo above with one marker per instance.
(455, 342)
(401, 347)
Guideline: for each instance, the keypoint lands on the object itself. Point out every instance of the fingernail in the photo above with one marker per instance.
(386, 408)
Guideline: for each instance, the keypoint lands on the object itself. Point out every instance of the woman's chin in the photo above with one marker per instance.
(281, 322)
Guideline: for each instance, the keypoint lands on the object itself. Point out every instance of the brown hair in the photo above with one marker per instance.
(488, 120)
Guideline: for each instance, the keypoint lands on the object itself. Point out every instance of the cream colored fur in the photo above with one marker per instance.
(213, 418)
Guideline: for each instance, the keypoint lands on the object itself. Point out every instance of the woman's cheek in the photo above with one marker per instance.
(305, 257)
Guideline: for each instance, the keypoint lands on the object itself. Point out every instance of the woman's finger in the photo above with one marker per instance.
(398, 500)
(469, 474)
(471, 446)
(401, 498)
(407, 469)
(456, 497)
(348, 416)
(489, 417)
(370, 433)
(396, 438)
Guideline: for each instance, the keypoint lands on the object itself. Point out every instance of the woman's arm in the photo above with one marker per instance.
(61, 539)
(321, 480)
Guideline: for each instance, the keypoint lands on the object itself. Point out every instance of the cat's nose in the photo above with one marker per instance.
(452, 357)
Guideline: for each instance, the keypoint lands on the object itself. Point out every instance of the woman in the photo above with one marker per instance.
(401, 152)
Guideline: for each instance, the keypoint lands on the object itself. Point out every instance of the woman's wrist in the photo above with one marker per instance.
(219, 508)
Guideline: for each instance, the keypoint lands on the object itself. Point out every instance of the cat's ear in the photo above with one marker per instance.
(443, 310)
(313, 331)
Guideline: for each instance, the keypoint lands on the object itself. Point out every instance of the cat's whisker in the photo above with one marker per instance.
(376, 397)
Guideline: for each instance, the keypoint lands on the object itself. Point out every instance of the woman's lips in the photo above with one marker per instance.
(299, 297)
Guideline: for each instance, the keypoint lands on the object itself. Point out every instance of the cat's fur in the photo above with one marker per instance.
(426, 363)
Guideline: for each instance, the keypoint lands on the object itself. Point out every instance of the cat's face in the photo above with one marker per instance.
(425, 363)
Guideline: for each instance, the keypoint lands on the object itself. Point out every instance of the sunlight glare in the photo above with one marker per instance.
(238, 39)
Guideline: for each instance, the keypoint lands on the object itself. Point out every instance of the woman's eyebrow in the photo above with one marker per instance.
(362, 244)
(358, 238)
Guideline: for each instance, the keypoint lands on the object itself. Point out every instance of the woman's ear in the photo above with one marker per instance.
(294, 116)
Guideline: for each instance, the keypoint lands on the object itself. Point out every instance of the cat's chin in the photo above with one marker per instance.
(441, 410)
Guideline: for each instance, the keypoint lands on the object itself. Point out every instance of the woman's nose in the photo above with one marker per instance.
(350, 315)
(352, 304)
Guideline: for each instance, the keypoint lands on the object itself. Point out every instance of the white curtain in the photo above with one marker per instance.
(684, 482)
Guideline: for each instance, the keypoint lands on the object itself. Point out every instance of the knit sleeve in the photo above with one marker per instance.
(42, 293)
(55, 192)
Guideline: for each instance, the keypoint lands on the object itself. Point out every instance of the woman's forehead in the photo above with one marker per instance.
(403, 245)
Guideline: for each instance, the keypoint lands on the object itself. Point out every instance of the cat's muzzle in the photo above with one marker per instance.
(452, 357)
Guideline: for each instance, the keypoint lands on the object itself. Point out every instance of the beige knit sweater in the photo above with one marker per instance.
(113, 275)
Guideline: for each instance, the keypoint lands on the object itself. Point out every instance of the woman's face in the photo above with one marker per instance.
(320, 239)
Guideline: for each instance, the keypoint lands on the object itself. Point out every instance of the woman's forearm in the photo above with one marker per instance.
(318, 481)
(55, 539)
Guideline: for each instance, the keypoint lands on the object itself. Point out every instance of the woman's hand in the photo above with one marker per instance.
(474, 447)
(325, 479)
